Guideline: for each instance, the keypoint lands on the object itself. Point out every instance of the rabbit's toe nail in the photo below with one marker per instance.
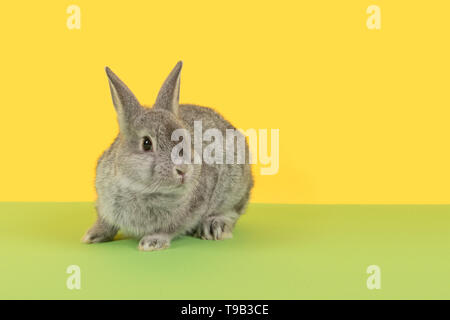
(89, 238)
(215, 229)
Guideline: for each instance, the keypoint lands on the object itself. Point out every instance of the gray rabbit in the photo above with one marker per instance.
(142, 192)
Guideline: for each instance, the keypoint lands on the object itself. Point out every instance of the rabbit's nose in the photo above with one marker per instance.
(180, 170)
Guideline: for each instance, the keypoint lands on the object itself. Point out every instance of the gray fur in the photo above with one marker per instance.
(140, 192)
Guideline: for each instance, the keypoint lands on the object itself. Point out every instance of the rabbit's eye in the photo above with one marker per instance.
(147, 144)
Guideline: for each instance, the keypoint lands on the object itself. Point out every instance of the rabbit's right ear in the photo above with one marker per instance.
(169, 94)
(125, 103)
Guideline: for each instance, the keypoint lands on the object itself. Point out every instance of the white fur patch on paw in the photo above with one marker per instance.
(153, 243)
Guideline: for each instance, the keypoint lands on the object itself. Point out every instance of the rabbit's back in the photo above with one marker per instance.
(230, 183)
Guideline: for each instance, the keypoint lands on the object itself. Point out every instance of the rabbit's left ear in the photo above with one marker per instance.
(169, 94)
(125, 103)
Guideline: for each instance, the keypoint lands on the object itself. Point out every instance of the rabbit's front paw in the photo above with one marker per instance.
(101, 231)
(215, 228)
(154, 242)
(94, 236)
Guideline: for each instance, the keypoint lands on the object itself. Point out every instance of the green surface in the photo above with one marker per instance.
(278, 252)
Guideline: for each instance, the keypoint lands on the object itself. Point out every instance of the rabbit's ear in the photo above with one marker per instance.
(169, 94)
(125, 103)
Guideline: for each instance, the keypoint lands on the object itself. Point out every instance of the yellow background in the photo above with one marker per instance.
(363, 114)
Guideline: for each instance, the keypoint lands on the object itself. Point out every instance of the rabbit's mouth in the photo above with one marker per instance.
(181, 182)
